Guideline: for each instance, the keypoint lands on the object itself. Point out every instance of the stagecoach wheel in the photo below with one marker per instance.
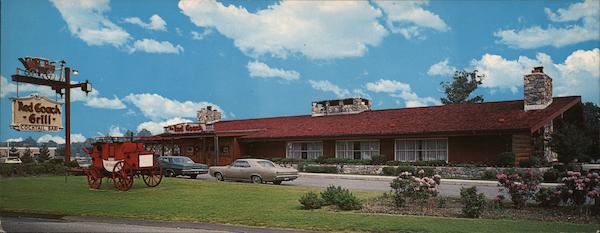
(122, 176)
(94, 178)
(153, 176)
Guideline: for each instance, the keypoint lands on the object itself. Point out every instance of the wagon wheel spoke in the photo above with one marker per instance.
(153, 176)
(122, 176)
(94, 178)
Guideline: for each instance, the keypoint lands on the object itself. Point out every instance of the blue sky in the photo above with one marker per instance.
(154, 63)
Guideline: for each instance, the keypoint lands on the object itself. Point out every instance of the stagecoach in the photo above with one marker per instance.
(120, 160)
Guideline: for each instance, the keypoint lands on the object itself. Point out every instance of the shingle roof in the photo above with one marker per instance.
(480, 117)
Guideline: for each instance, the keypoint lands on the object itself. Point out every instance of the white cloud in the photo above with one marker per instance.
(115, 131)
(325, 85)
(153, 46)
(19, 139)
(75, 138)
(93, 98)
(156, 23)
(157, 107)
(409, 18)
(86, 20)
(403, 91)
(262, 70)
(157, 127)
(536, 36)
(441, 69)
(200, 35)
(579, 74)
(315, 29)
(47, 138)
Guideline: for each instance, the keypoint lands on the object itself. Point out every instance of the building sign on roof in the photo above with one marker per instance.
(183, 128)
(36, 113)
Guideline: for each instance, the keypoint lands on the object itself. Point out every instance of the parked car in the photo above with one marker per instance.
(13, 160)
(254, 170)
(181, 165)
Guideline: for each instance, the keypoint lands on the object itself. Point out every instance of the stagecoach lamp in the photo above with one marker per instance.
(75, 72)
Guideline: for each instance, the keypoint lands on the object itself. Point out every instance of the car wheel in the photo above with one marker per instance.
(170, 173)
(277, 182)
(256, 179)
(193, 176)
(219, 176)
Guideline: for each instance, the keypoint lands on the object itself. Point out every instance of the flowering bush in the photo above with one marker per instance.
(521, 188)
(418, 188)
(577, 189)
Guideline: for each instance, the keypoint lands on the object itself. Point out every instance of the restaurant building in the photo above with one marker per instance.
(350, 129)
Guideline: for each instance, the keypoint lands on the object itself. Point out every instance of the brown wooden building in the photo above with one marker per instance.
(348, 128)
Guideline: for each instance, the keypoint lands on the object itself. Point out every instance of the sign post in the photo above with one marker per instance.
(40, 71)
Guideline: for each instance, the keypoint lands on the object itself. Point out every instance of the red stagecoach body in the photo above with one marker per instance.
(40, 66)
(121, 160)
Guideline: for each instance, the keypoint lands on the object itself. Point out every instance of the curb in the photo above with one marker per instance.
(488, 183)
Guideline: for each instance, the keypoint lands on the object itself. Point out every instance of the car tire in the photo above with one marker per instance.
(256, 179)
(277, 182)
(193, 176)
(170, 173)
(219, 176)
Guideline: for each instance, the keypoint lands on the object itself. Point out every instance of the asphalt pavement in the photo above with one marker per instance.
(381, 184)
(10, 222)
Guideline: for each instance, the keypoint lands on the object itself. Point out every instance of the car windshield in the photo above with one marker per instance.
(267, 164)
(183, 160)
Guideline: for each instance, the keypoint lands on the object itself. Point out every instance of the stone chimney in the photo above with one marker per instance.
(208, 115)
(537, 89)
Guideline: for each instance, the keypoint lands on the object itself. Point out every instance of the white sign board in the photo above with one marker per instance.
(36, 113)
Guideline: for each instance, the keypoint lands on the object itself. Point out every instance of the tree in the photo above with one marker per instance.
(27, 158)
(591, 116)
(29, 142)
(463, 84)
(44, 153)
(144, 133)
(570, 142)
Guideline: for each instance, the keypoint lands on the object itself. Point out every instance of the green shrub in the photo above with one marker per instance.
(407, 168)
(534, 161)
(7, 170)
(390, 171)
(347, 201)
(552, 175)
(474, 203)
(429, 163)
(505, 159)
(546, 197)
(378, 159)
(340, 197)
(320, 169)
(311, 201)
(489, 175)
(428, 171)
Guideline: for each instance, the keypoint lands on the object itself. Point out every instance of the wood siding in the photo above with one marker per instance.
(522, 146)
(481, 149)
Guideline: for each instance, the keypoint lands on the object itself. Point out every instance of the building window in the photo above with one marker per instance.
(304, 150)
(421, 149)
(356, 149)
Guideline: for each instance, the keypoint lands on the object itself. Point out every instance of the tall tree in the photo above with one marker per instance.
(462, 86)
(44, 153)
(591, 116)
(570, 142)
(27, 156)
(29, 142)
(144, 133)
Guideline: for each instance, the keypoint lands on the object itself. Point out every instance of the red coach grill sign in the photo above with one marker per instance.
(36, 113)
(185, 128)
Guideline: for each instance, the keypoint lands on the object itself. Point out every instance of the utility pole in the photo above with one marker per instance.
(58, 85)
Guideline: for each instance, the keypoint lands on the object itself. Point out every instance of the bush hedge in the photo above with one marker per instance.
(552, 175)
(31, 169)
(340, 197)
(474, 203)
(505, 159)
(311, 201)
(320, 169)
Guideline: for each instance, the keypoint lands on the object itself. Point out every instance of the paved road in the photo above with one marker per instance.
(90, 224)
(448, 190)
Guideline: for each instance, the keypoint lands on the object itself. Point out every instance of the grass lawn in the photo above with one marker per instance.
(232, 203)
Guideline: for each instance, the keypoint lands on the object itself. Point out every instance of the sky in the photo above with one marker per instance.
(154, 63)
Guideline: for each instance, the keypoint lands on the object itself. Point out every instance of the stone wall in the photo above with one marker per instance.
(445, 172)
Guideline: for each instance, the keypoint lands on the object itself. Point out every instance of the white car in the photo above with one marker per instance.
(12, 160)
